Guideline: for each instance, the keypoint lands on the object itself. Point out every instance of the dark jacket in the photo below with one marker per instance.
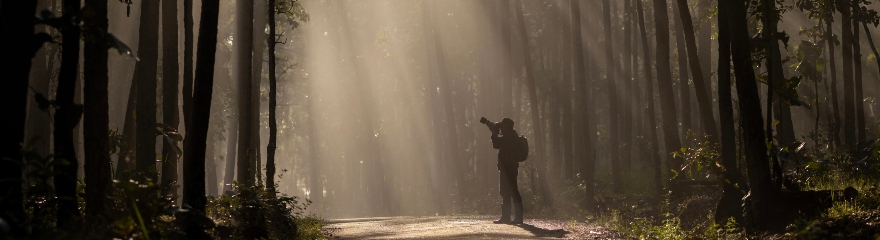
(506, 146)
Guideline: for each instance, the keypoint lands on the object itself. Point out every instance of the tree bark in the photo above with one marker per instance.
(733, 185)
(259, 39)
(194, 150)
(581, 85)
(96, 116)
(626, 118)
(170, 75)
(701, 82)
(231, 147)
(244, 21)
(146, 91)
(683, 81)
(187, 93)
(270, 149)
(750, 116)
(849, 111)
(664, 86)
(536, 118)
(835, 111)
(16, 19)
(66, 117)
(611, 69)
(857, 79)
(650, 113)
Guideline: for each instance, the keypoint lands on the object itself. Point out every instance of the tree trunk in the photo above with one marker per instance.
(127, 151)
(733, 185)
(259, 38)
(611, 69)
(857, 79)
(316, 178)
(664, 86)
(194, 151)
(96, 116)
(873, 49)
(683, 81)
(170, 75)
(536, 118)
(849, 111)
(626, 114)
(244, 21)
(750, 116)
(270, 149)
(231, 144)
(835, 111)
(701, 82)
(66, 117)
(16, 19)
(146, 91)
(649, 98)
(187, 93)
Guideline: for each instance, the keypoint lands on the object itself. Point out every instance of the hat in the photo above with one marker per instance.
(507, 121)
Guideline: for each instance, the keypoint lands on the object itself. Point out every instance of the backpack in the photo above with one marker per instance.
(522, 149)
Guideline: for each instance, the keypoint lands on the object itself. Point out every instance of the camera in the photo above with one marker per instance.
(495, 127)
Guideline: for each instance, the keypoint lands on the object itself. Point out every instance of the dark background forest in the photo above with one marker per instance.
(208, 118)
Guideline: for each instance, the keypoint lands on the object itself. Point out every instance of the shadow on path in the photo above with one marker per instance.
(540, 232)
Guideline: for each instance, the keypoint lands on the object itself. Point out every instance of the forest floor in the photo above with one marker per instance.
(462, 227)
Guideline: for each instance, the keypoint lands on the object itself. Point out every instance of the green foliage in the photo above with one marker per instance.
(701, 161)
(280, 216)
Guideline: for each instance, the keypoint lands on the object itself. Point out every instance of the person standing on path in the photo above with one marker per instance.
(509, 154)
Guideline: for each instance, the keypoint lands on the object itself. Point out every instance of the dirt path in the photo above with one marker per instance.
(462, 227)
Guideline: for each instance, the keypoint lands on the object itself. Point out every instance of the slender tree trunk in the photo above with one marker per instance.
(128, 151)
(66, 117)
(683, 81)
(533, 99)
(187, 93)
(704, 49)
(857, 79)
(567, 141)
(733, 185)
(194, 151)
(270, 149)
(146, 90)
(16, 19)
(611, 68)
(835, 111)
(96, 116)
(626, 115)
(701, 82)
(650, 113)
(316, 178)
(750, 116)
(849, 111)
(259, 39)
(231, 146)
(246, 154)
(170, 75)
(664, 86)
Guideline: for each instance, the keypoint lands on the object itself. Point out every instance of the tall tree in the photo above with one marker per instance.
(704, 100)
(146, 90)
(626, 116)
(835, 111)
(96, 110)
(683, 80)
(849, 111)
(270, 149)
(194, 151)
(506, 62)
(533, 99)
(611, 68)
(761, 187)
(67, 115)
(857, 76)
(187, 92)
(170, 75)
(649, 112)
(733, 184)
(259, 40)
(16, 19)
(664, 85)
(231, 147)
(244, 47)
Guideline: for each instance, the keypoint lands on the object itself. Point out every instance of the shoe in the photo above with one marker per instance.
(505, 214)
(518, 213)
